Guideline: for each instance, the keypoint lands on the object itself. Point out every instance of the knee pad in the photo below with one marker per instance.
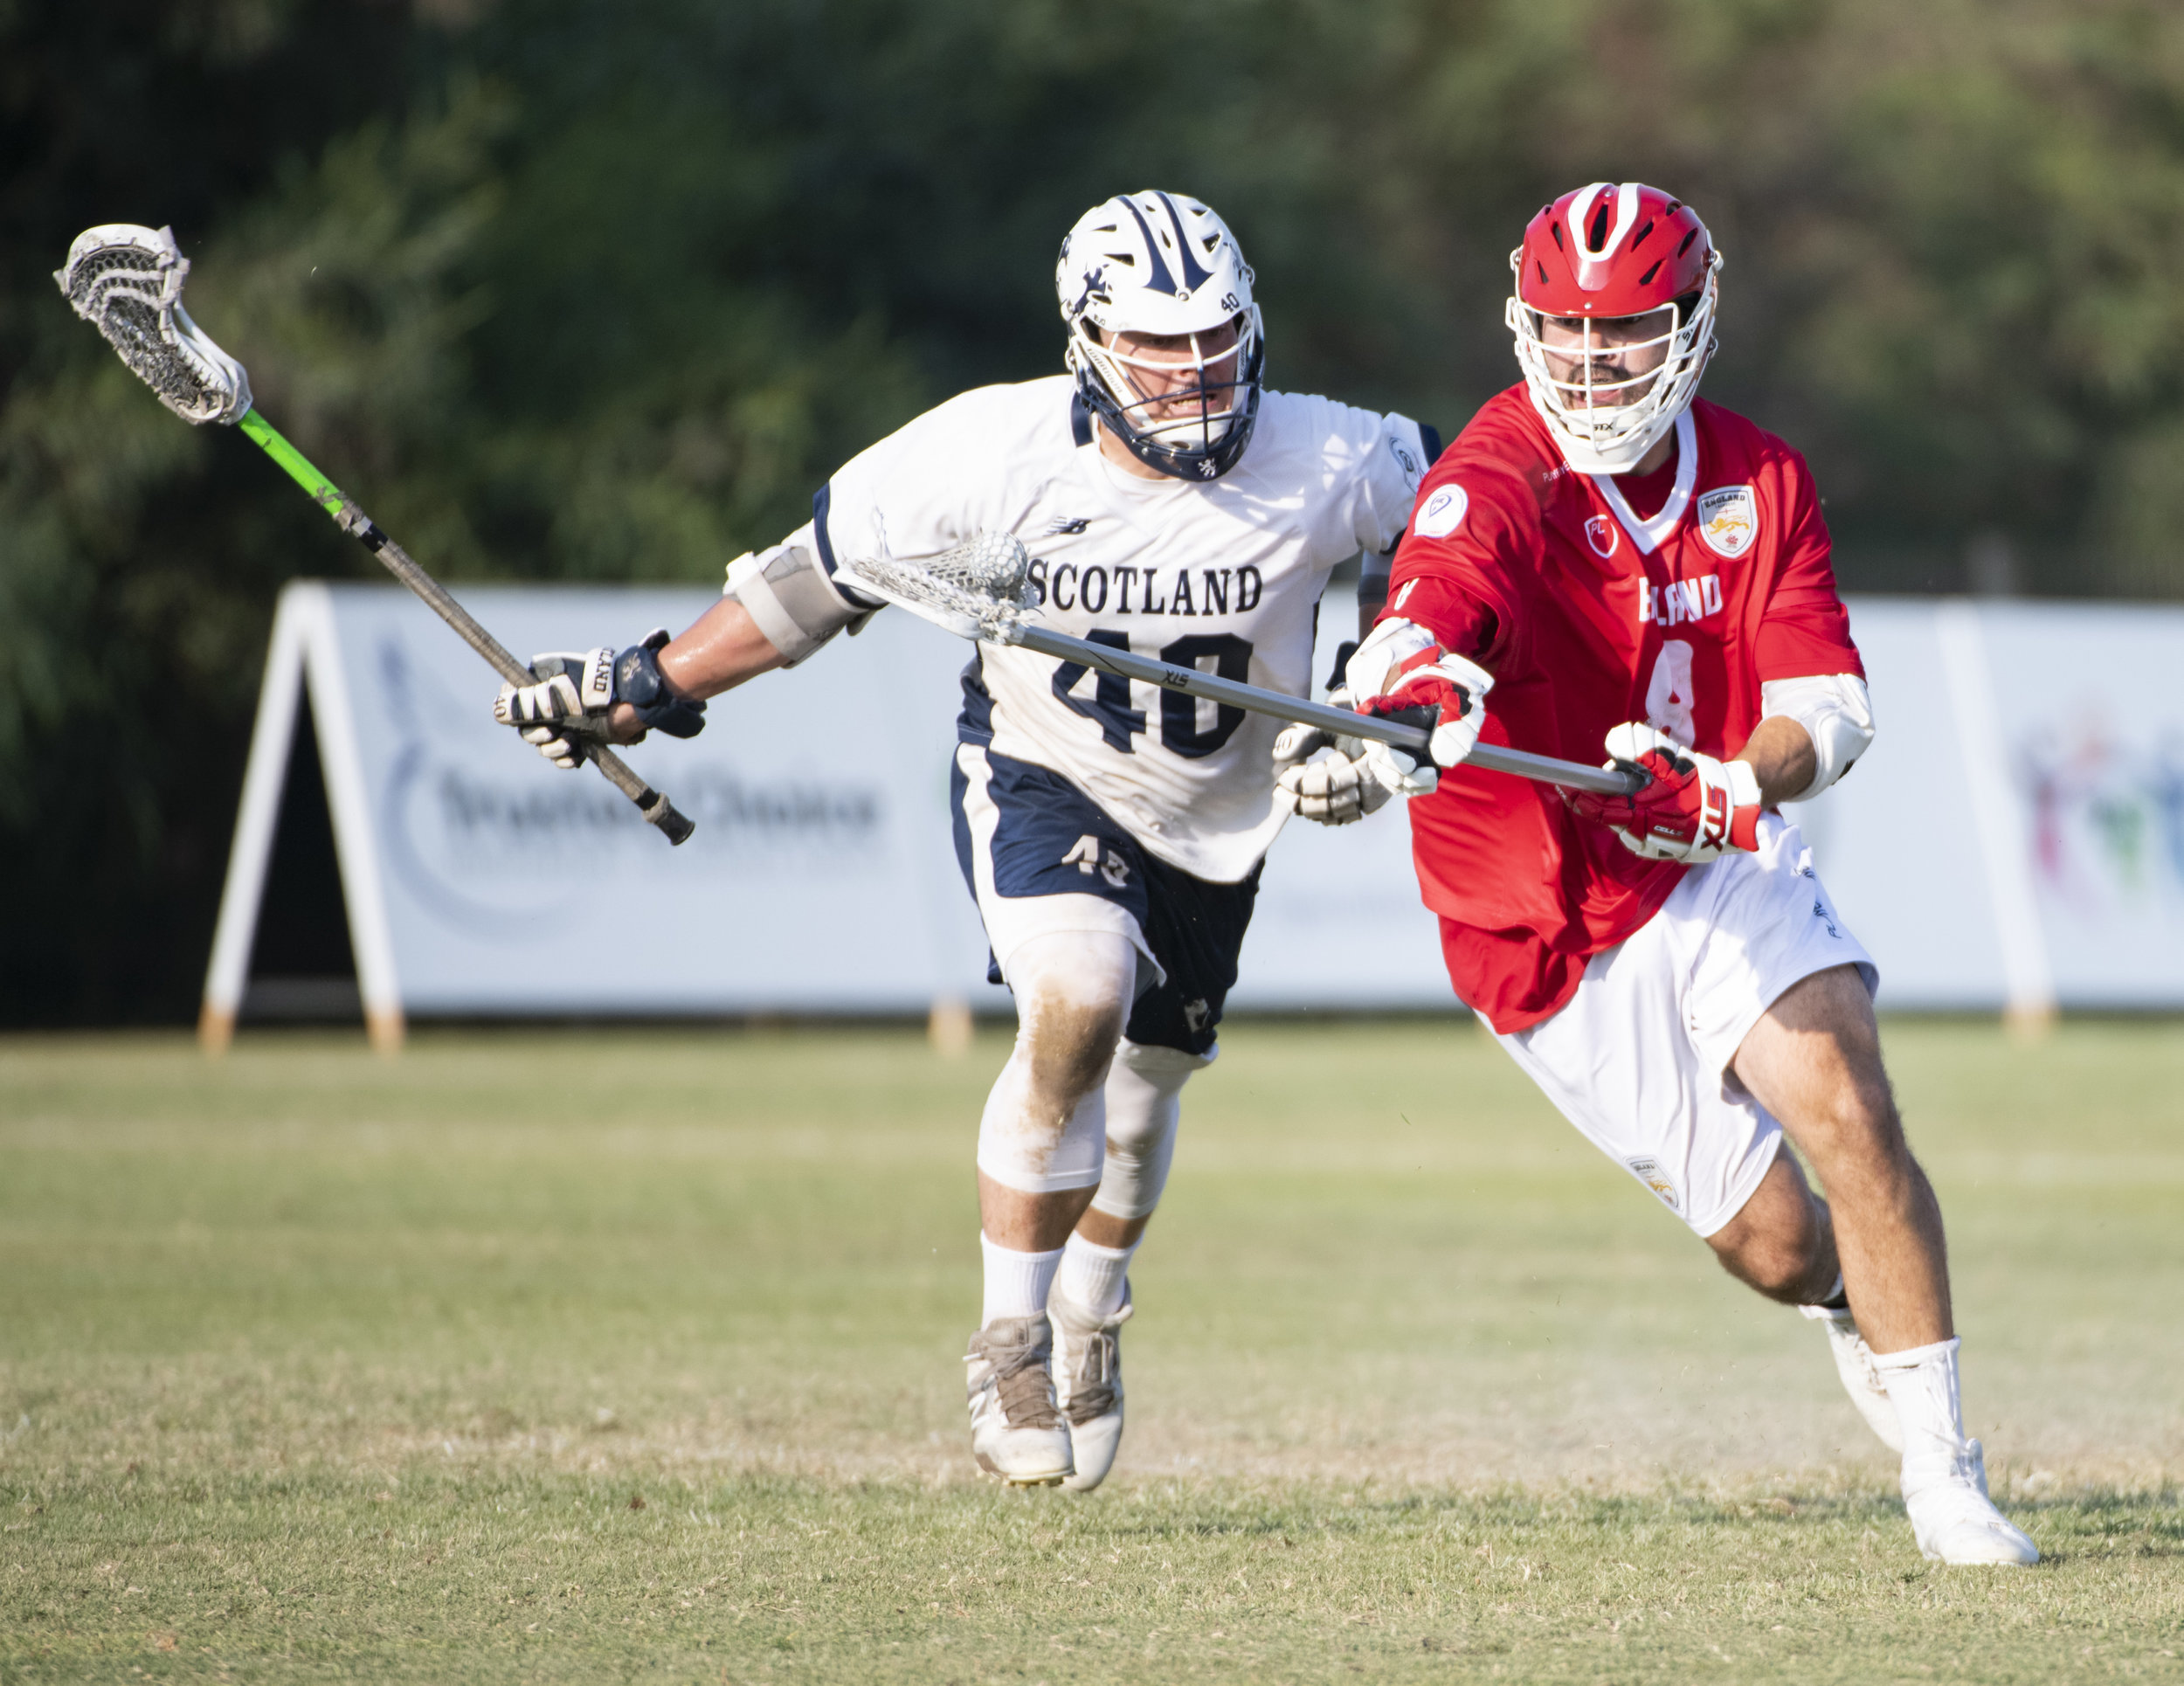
(1143, 1096)
(1045, 1125)
(1021, 1144)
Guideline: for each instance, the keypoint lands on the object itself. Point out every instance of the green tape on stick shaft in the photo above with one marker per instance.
(397, 561)
(301, 469)
(353, 521)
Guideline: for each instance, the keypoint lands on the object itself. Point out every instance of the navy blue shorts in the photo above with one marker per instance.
(1030, 834)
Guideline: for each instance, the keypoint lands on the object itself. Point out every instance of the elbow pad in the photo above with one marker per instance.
(1836, 714)
(788, 596)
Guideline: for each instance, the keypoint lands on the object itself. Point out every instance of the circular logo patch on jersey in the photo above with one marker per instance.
(1728, 520)
(1600, 533)
(1441, 513)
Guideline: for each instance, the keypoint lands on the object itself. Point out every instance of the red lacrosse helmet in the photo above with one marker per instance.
(1608, 252)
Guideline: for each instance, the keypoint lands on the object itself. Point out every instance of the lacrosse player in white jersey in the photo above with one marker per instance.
(1111, 832)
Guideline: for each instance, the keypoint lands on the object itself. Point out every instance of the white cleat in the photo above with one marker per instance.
(1860, 1379)
(1952, 1518)
(1088, 1385)
(1016, 1430)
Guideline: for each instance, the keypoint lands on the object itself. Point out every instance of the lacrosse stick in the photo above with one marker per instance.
(980, 591)
(126, 281)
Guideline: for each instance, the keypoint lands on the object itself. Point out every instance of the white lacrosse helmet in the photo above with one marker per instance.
(1161, 263)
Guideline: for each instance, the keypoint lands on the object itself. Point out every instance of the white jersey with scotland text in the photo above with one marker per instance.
(1226, 576)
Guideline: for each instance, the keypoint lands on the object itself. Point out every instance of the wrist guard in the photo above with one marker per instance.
(637, 682)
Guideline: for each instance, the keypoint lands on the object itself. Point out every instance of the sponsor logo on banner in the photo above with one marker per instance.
(1728, 520)
(1600, 533)
(473, 833)
(1648, 1171)
(1441, 513)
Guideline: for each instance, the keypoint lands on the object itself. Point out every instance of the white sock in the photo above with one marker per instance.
(1923, 1387)
(1093, 1276)
(1016, 1283)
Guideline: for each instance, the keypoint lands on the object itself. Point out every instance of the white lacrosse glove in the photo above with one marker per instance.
(1401, 670)
(1333, 791)
(564, 715)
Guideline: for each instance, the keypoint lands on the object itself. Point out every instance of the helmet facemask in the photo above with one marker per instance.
(1608, 426)
(1199, 416)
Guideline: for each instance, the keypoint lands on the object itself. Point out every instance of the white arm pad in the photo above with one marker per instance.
(1836, 715)
(786, 593)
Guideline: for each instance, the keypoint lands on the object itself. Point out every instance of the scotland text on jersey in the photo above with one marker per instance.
(1093, 588)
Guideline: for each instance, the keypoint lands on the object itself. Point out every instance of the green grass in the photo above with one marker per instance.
(634, 1356)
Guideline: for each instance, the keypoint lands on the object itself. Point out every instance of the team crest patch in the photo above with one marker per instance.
(1441, 513)
(1728, 520)
(1648, 1171)
(1600, 533)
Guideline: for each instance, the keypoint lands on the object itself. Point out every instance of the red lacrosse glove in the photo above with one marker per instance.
(1402, 667)
(1692, 807)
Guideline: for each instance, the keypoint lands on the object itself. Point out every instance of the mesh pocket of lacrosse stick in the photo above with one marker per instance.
(979, 590)
(126, 281)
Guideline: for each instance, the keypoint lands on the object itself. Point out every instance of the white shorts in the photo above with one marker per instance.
(1638, 1061)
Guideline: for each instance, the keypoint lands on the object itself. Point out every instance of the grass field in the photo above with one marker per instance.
(633, 1357)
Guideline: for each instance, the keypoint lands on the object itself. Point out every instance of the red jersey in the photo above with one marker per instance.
(1593, 600)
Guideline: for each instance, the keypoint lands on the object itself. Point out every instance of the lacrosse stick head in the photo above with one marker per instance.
(126, 281)
(979, 590)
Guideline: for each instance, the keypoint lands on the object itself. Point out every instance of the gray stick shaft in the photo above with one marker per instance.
(404, 568)
(1127, 665)
(398, 562)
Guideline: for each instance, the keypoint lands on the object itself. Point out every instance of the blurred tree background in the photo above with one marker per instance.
(602, 289)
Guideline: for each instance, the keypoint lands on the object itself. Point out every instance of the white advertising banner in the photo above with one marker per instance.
(820, 876)
(2014, 838)
(2089, 704)
(1898, 841)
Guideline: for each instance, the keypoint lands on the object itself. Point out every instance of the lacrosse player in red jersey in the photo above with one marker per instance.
(1603, 559)
(1111, 832)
